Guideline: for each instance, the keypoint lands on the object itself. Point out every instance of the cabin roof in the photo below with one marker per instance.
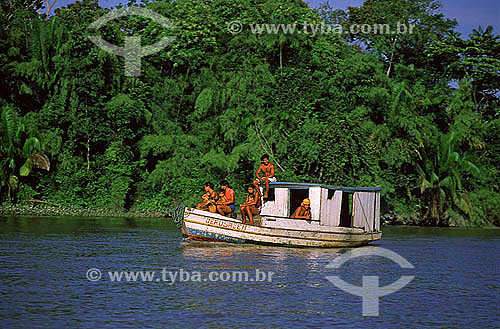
(292, 185)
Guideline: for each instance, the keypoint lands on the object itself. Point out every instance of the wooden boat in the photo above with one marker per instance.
(340, 217)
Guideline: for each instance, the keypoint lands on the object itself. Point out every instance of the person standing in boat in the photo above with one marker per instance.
(209, 198)
(251, 205)
(226, 207)
(267, 169)
(303, 211)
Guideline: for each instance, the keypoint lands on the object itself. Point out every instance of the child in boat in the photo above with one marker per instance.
(209, 199)
(251, 205)
(203, 205)
(267, 169)
(227, 207)
(222, 201)
(303, 211)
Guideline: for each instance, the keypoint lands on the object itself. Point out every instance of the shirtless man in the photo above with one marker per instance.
(267, 169)
(250, 206)
(226, 206)
(303, 211)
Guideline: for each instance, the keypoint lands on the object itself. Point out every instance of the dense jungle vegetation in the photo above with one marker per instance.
(417, 114)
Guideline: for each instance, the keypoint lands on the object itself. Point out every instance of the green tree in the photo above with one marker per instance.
(476, 59)
(441, 171)
(19, 153)
(422, 19)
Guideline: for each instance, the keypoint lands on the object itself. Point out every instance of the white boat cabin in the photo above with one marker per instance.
(347, 207)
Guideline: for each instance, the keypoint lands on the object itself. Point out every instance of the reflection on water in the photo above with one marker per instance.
(44, 262)
(223, 255)
(219, 249)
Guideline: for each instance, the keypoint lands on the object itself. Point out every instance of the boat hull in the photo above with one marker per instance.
(205, 226)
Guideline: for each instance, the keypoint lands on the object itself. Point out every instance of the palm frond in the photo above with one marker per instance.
(40, 160)
(26, 168)
(471, 168)
(10, 123)
(31, 146)
(13, 182)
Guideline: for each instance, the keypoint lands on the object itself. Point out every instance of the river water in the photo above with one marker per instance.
(45, 261)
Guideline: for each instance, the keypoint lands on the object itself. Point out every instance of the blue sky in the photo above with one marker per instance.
(469, 13)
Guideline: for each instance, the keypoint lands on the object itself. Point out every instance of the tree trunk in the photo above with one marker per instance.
(281, 54)
(435, 207)
(88, 135)
(392, 57)
(49, 7)
(88, 153)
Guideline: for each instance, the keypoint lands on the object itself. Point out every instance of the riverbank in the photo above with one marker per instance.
(43, 209)
(48, 209)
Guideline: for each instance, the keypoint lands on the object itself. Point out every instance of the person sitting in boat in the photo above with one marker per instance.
(227, 207)
(251, 205)
(267, 169)
(303, 211)
(222, 199)
(209, 199)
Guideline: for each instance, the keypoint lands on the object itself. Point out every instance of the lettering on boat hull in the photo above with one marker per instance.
(226, 224)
